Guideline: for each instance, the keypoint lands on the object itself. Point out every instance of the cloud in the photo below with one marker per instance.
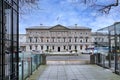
(66, 12)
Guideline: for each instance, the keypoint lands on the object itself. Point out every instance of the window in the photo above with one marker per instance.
(86, 40)
(36, 39)
(102, 39)
(53, 39)
(41, 47)
(64, 47)
(95, 39)
(41, 39)
(80, 40)
(75, 47)
(47, 47)
(75, 39)
(80, 47)
(69, 39)
(99, 38)
(64, 39)
(69, 47)
(86, 46)
(30, 38)
(58, 39)
(53, 47)
(30, 47)
(47, 40)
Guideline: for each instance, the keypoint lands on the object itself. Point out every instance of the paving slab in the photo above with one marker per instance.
(35, 75)
(77, 72)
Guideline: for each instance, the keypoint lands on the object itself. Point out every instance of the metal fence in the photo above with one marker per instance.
(111, 58)
(28, 63)
(104, 61)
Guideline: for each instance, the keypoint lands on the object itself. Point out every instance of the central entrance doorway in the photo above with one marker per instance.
(58, 49)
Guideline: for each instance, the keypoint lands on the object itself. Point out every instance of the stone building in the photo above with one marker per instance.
(99, 39)
(58, 38)
(22, 42)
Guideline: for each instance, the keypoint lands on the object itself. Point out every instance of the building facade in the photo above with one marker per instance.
(22, 42)
(58, 38)
(99, 39)
(9, 40)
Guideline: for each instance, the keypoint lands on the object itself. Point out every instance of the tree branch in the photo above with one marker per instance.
(26, 6)
(102, 8)
(107, 8)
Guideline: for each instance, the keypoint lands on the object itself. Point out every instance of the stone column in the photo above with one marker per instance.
(27, 48)
(33, 40)
(39, 47)
(62, 48)
(72, 47)
(83, 48)
(33, 47)
(44, 47)
(78, 48)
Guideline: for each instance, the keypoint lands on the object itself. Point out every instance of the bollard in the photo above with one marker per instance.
(43, 59)
(92, 59)
(99, 58)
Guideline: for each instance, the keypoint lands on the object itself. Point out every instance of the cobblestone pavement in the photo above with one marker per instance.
(77, 72)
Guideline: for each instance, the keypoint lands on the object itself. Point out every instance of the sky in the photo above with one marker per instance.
(66, 13)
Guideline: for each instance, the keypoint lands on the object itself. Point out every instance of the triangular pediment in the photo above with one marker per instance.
(59, 27)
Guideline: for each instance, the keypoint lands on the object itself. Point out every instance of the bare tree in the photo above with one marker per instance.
(27, 6)
(28, 1)
(104, 8)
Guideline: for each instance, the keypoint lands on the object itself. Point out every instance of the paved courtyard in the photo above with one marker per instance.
(77, 72)
(80, 59)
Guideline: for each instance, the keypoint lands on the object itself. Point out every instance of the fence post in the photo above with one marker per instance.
(31, 65)
(92, 59)
(22, 69)
(43, 57)
(28, 60)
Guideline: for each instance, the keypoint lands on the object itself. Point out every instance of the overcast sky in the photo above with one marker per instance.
(67, 13)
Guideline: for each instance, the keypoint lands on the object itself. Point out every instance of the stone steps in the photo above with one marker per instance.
(49, 62)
